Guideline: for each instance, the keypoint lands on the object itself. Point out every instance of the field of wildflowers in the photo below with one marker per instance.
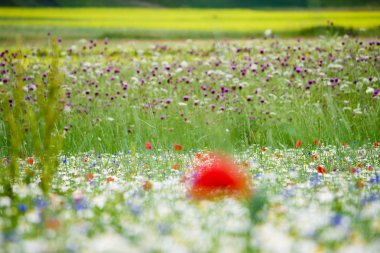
(112, 147)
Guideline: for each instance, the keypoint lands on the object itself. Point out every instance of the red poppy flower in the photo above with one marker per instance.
(321, 170)
(246, 164)
(176, 166)
(110, 179)
(30, 160)
(177, 147)
(89, 176)
(298, 143)
(376, 144)
(148, 145)
(198, 155)
(316, 142)
(216, 176)
(147, 185)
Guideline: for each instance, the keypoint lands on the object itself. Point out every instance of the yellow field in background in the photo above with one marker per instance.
(234, 20)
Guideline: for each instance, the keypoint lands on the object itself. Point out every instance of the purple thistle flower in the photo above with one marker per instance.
(375, 93)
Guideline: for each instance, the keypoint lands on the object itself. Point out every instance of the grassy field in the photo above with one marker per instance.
(222, 94)
(177, 23)
(255, 145)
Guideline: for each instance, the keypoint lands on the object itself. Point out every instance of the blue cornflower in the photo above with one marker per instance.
(22, 208)
(375, 179)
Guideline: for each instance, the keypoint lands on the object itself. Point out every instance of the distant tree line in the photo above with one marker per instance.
(196, 3)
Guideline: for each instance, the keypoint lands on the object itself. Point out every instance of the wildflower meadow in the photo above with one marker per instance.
(232, 145)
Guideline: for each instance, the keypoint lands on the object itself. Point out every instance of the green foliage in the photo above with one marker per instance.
(32, 127)
(256, 206)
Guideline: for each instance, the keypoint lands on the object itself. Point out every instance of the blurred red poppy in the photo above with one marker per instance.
(215, 176)
(147, 185)
(89, 176)
(177, 147)
(30, 160)
(321, 170)
(298, 143)
(148, 145)
(376, 144)
(176, 166)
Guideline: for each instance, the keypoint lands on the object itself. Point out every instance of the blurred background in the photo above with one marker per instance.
(197, 3)
(184, 19)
